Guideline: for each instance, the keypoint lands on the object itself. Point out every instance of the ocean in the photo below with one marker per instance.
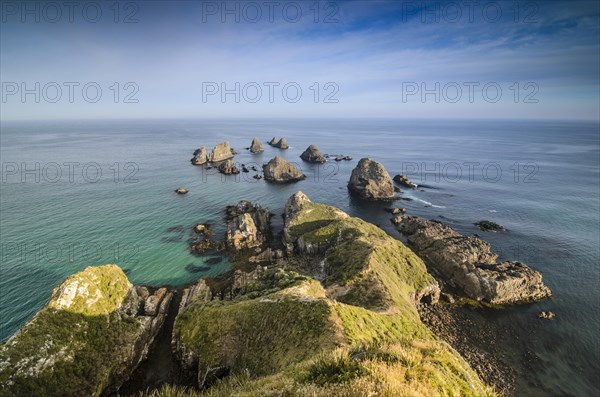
(81, 193)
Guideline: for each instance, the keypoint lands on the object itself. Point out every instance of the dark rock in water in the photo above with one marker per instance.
(221, 152)
(203, 228)
(347, 158)
(228, 168)
(313, 155)
(406, 198)
(245, 170)
(279, 170)
(396, 211)
(257, 176)
(253, 168)
(489, 226)
(248, 225)
(547, 315)
(404, 181)
(339, 158)
(273, 141)
(181, 190)
(214, 260)
(468, 264)
(200, 156)
(191, 268)
(397, 189)
(370, 180)
(256, 146)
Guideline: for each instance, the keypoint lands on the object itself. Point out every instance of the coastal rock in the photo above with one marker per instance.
(181, 190)
(94, 324)
(489, 226)
(268, 255)
(248, 225)
(468, 264)
(200, 156)
(221, 152)
(282, 144)
(256, 146)
(404, 181)
(279, 170)
(227, 167)
(547, 315)
(313, 155)
(370, 180)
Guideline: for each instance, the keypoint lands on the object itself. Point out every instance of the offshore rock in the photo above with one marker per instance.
(279, 170)
(313, 155)
(228, 168)
(404, 181)
(256, 146)
(221, 152)
(370, 180)
(200, 156)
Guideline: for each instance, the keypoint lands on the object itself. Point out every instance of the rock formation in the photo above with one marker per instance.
(279, 170)
(248, 225)
(227, 167)
(256, 146)
(313, 155)
(489, 226)
(467, 263)
(279, 143)
(370, 180)
(221, 152)
(181, 190)
(96, 323)
(403, 180)
(200, 156)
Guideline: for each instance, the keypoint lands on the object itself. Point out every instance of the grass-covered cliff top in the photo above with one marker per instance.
(71, 346)
(356, 333)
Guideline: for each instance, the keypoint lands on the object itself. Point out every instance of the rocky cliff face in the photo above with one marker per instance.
(279, 170)
(312, 154)
(370, 180)
(221, 152)
(248, 225)
(468, 264)
(90, 337)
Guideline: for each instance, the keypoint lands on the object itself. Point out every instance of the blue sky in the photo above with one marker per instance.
(368, 58)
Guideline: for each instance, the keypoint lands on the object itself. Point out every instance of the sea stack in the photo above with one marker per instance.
(256, 146)
(313, 155)
(370, 180)
(279, 170)
(221, 152)
(200, 156)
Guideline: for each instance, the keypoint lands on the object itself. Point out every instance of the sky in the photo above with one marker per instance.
(301, 59)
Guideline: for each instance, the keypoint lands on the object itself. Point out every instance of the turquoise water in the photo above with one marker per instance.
(547, 195)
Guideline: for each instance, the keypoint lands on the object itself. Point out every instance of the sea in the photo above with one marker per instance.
(83, 193)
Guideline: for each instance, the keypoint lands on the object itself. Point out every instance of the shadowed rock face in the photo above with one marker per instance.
(279, 170)
(279, 143)
(313, 155)
(256, 146)
(221, 152)
(248, 225)
(468, 264)
(370, 180)
(228, 168)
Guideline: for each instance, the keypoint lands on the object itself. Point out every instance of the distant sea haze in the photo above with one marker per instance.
(83, 193)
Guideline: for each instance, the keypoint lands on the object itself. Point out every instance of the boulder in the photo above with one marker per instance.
(221, 152)
(256, 146)
(181, 190)
(282, 144)
(547, 315)
(200, 156)
(228, 168)
(403, 180)
(370, 180)
(467, 264)
(313, 155)
(279, 170)
(273, 141)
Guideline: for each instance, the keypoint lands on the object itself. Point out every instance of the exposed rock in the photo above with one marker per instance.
(370, 180)
(181, 190)
(244, 169)
(268, 255)
(404, 181)
(257, 176)
(94, 324)
(221, 152)
(339, 158)
(279, 170)
(282, 144)
(348, 158)
(256, 146)
(547, 315)
(468, 264)
(489, 226)
(396, 211)
(313, 155)
(200, 156)
(227, 167)
(273, 141)
(203, 228)
(248, 225)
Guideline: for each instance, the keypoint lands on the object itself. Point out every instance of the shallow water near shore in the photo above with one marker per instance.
(80, 193)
